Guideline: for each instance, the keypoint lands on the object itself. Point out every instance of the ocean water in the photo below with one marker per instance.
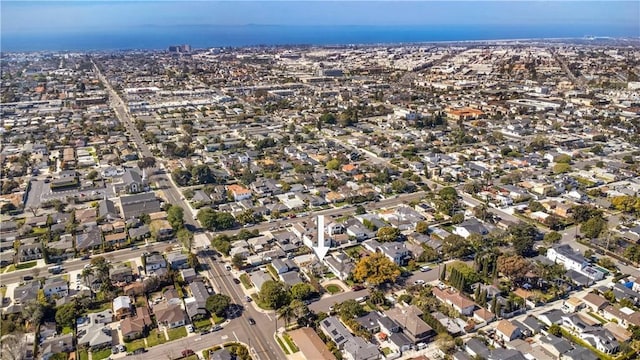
(204, 36)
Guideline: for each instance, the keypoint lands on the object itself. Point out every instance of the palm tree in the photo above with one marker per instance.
(287, 313)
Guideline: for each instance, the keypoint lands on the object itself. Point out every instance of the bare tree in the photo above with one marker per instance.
(13, 346)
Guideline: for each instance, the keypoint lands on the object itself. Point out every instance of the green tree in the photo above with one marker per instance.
(175, 216)
(555, 329)
(237, 261)
(448, 194)
(376, 269)
(273, 295)
(422, 227)
(523, 236)
(66, 315)
(561, 168)
(593, 227)
(350, 309)
(301, 291)
(360, 210)
(552, 237)
(218, 304)
(185, 237)
(563, 159)
(333, 164)
(455, 246)
(457, 218)
(388, 233)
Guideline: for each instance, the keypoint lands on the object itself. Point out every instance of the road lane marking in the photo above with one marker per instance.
(234, 335)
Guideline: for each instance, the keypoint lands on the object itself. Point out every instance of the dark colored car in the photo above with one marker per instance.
(357, 288)
(251, 321)
(236, 281)
(139, 351)
(187, 352)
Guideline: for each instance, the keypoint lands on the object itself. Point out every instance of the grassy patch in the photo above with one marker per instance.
(191, 357)
(3, 291)
(386, 351)
(27, 265)
(333, 289)
(101, 354)
(273, 272)
(290, 342)
(329, 275)
(246, 282)
(284, 348)
(217, 319)
(83, 355)
(177, 333)
(9, 268)
(202, 324)
(601, 320)
(38, 231)
(156, 337)
(67, 330)
(101, 307)
(134, 345)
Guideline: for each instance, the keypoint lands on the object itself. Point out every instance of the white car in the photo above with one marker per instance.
(419, 282)
(425, 268)
(190, 328)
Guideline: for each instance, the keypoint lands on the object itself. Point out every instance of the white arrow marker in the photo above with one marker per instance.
(321, 249)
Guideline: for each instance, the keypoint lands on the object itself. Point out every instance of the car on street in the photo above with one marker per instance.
(236, 281)
(187, 352)
(251, 321)
(248, 298)
(419, 282)
(357, 287)
(216, 328)
(425, 268)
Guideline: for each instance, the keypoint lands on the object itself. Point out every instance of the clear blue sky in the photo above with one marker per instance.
(24, 17)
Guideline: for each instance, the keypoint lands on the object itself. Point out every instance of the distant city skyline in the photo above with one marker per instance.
(25, 17)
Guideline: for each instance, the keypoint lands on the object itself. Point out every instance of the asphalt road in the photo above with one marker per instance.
(78, 264)
(259, 336)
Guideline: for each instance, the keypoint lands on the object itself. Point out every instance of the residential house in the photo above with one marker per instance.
(155, 263)
(56, 345)
(170, 314)
(470, 226)
(507, 331)
(601, 339)
(24, 293)
(454, 299)
(57, 287)
(410, 319)
(116, 240)
(121, 274)
(136, 326)
(196, 305)
(29, 252)
(93, 332)
(121, 307)
(311, 345)
(595, 302)
(340, 264)
(178, 260)
(90, 239)
(394, 250)
(239, 192)
(557, 346)
(258, 278)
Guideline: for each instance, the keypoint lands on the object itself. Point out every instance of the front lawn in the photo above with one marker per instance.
(202, 324)
(67, 330)
(246, 282)
(284, 348)
(83, 354)
(290, 343)
(217, 319)
(156, 337)
(333, 289)
(101, 354)
(134, 345)
(27, 265)
(177, 333)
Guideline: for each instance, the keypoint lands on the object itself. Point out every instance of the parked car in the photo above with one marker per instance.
(216, 328)
(419, 282)
(187, 352)
(251, 321)
(189, 328)
(425, 268)
(357, 287)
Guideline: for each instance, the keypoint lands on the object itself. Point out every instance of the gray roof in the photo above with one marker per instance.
(580, 353)
(561, 345)
(568, 252)
(138, 204)
(26, 292)
(199, 292)
(361, 349)
(335, 330)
